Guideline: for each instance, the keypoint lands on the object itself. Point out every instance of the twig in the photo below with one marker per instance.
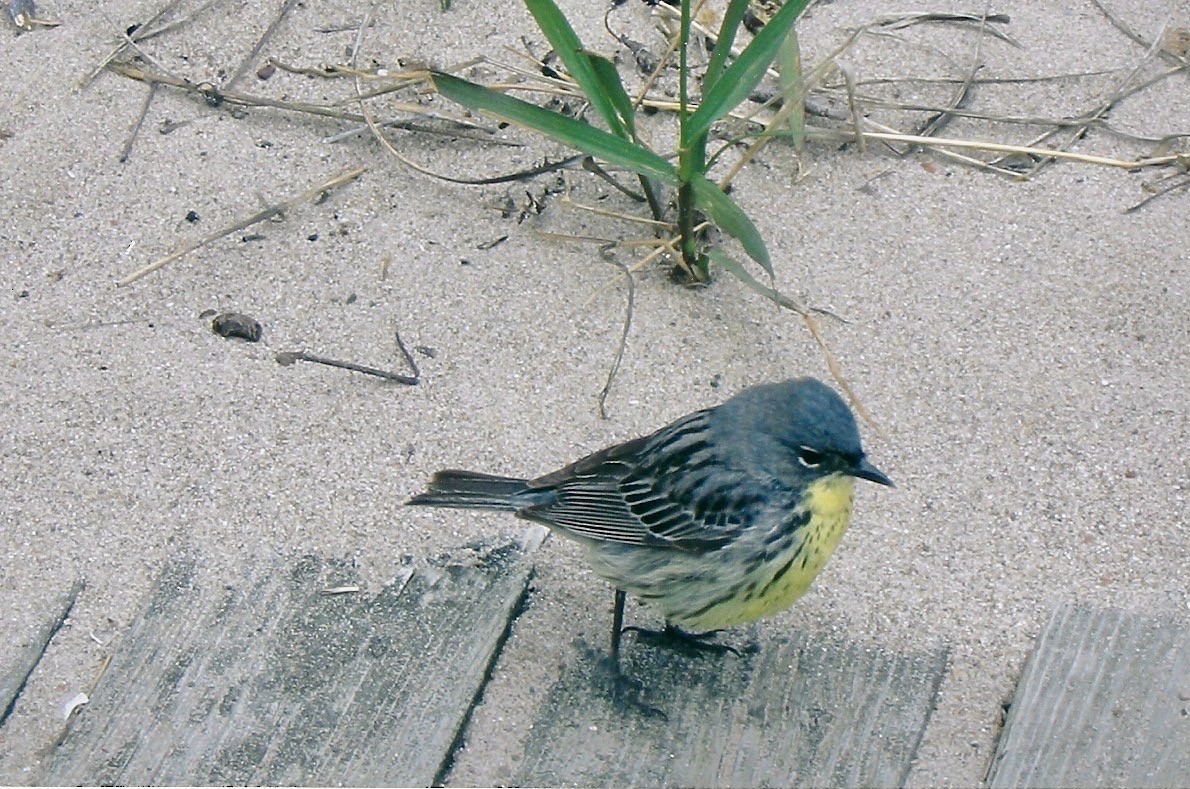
(367, 113)
(954, 155)
(127, 39)
(286, 358)
(959, 112)
(1095, 116)
(899, 21)
(367, 117)
(409, 77)
(567, 199)
(853, 106)
(212, 94)
(520, 175)
(408, 356)
(458, 133)
(259, 216)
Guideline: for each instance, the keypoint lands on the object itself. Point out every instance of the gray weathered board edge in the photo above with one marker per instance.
(274, 682)
(1104, 700)
(14, 675)
(807, 710)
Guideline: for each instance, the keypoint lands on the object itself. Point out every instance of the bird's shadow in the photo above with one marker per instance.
(653, 673)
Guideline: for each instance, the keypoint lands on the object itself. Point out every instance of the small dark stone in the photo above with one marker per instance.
(234, 324)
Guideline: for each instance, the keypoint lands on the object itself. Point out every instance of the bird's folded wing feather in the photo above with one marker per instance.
(649, 491)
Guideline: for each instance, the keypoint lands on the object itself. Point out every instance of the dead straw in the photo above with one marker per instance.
(268, 213)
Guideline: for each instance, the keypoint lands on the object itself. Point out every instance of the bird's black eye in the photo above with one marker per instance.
(810, 458)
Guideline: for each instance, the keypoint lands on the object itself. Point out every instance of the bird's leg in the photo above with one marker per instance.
(674, 637)
(626, 690)
(617, 627)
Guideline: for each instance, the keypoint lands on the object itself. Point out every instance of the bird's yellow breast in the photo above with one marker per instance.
(783, 578)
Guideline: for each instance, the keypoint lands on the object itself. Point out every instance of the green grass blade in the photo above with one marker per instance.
(738, 80)
(730, 264)
(578, 62)
(609, 82)
(575, 133)
(727, 30)
(789, 61)
(731, 219)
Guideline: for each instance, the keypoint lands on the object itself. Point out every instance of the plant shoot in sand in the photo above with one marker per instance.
(724, 86)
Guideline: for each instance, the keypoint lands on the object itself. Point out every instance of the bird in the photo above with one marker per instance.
(720, 518)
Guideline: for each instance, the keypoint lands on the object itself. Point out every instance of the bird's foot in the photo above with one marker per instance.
(675, 638)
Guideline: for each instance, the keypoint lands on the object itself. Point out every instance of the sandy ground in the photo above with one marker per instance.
(1025, 347)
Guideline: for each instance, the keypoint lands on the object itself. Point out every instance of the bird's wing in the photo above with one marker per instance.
(663, 490)
(585, 497)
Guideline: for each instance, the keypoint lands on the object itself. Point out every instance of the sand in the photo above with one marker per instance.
(1024, 347)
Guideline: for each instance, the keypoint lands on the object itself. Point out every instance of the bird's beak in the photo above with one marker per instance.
(865, 470)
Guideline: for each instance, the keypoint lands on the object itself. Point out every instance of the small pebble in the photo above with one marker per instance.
(234, 324)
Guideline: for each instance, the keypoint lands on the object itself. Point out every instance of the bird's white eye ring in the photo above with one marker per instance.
(810, 458)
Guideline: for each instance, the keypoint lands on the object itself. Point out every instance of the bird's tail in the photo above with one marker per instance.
(471, 490)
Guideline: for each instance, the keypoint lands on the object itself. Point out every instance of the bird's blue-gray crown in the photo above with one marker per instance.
(766, 429)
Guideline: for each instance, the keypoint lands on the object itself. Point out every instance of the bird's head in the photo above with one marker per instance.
(799, 431)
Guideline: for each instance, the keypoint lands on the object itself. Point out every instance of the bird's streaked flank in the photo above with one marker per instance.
(720, 518)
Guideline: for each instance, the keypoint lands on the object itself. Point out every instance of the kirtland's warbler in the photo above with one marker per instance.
(720, 518)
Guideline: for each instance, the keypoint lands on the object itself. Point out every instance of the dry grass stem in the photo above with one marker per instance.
(566, 199)
(1123, 27)
(254, 53)
(623, 344)
(217, 96)
(1024, 150)
(832, 365)
(260, 216)
(143, 33)
(140, 121)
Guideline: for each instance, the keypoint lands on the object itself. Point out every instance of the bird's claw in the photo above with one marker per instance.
(675, 638)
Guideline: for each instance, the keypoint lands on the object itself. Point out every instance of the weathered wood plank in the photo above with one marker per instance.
(1104, 701)
(21, 665)
(809, 711)
(274, 682)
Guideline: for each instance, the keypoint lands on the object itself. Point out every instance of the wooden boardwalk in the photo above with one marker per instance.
(295, 678)
(800, 712)
(1104, 701)
(291, 679)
